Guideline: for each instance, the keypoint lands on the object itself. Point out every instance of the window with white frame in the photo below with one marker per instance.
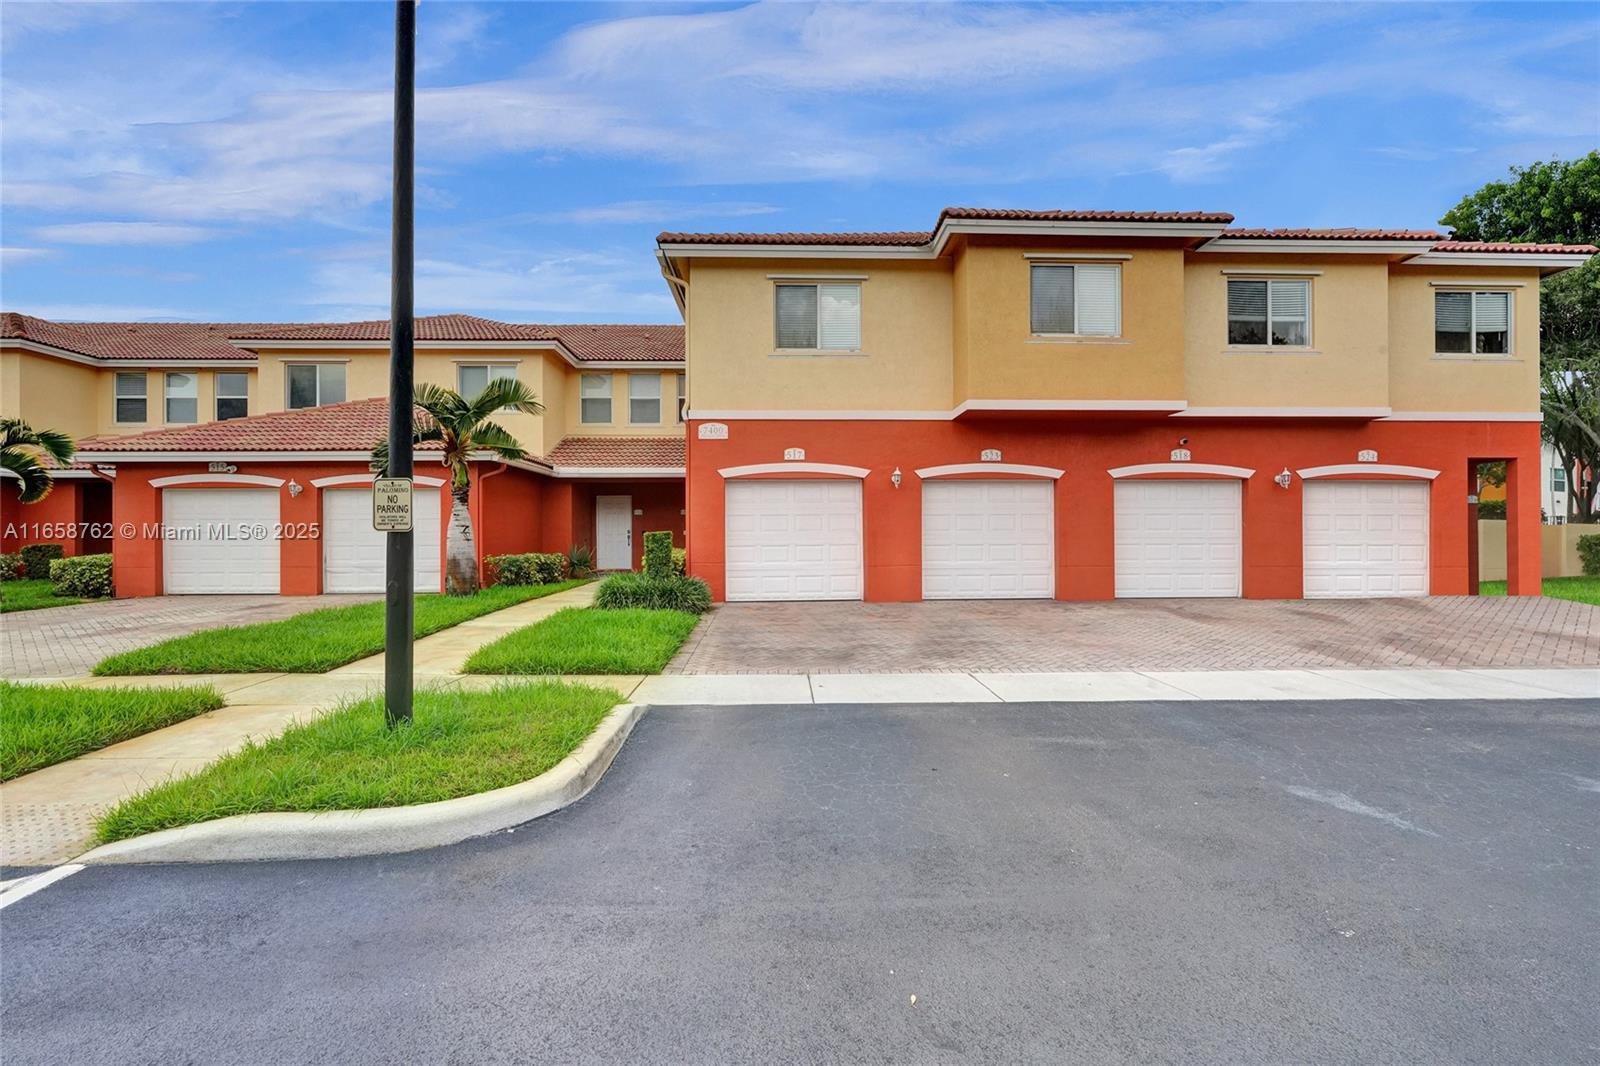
(315, 384)
(644, 399)
(183, 397)
(1558, 479)
(594, 399)
(473, 378)
(132, 397)
(683, 398)
(1075, 299)
(1273, 314)
(825, 316)
(1472, 323)
(233, 394)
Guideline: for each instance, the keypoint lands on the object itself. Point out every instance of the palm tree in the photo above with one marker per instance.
(463, 427)
(20, 448)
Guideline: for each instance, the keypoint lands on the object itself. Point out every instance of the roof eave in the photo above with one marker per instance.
(1314, 246)
(1547, 262)
(28, 344)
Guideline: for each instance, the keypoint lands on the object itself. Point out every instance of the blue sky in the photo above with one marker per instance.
(230, 161)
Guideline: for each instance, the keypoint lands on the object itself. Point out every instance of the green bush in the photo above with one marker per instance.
(680, 561)
(84, 576)
(1589, 552)
(658, 554)
(12, 567)
(1492, 509)
(526, 568)
(580, 560)
(36, 559)
(672, 593)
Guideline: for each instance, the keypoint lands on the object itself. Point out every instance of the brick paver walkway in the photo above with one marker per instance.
(1044, 636)
(68, 641)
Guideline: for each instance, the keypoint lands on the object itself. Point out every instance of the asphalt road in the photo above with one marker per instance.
(1198, 882)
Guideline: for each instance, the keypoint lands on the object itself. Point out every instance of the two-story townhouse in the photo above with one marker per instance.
(1088, 405)
(605, 457)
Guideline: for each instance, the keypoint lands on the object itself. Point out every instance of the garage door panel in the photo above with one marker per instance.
(988, 539)
(1365, 538)
(353, 553)
(1177, 538)
(219, 551)
(793, 540)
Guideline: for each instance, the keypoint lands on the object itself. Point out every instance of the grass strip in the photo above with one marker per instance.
(31, 594)
(586, 640)
(1580, 589)
(458, 744)
(314, 642)
(41, 725)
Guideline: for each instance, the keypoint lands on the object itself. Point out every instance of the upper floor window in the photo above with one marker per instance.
(183, 397)
(1558, 479)
(315, 384)
(820, 317)
(233, 395)
(1270, 313)
(473, 378)
(132, 392)
(1078, 299)
(683, 398)
(594, 399)
(1477, 323)
(644, 399)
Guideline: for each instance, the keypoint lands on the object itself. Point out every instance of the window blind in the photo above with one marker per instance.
(797, 316)
(1051, 299)
(644, 399)
(839, 317)
(1097, 300)
(1289, 307)
(1493, 310)
(1452, 321)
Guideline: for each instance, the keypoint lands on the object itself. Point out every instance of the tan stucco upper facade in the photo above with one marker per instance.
(80, 399)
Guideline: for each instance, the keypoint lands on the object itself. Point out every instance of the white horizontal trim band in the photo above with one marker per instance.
(1377, 413)
(1486, 284)
(1067, 257)
(1560, 261)
(26, 345)
(1283, 412)
(1464, 416)
(1320, 247)
(616, 471)
(953, 469)
(794, 468)
(57, 475)
(366, 479)
(1270, 273)
(216, 479)
(818, 277)
(1214, 469)
(1312, 472)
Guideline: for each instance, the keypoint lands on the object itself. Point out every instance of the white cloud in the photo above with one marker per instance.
(84, 312)
(661, 211)
(15, 254)
(124, 233)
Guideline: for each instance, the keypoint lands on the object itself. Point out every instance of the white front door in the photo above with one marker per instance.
(984, 540)
(220, 540)
(1365, 538)
(1178, 538)
(353, 552)
(613, 532)
(794, 540)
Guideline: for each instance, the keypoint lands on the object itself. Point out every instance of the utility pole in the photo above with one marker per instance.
(400, 546)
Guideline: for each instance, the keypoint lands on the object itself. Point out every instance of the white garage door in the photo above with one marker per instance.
(1177, 538)
(987, 540)
(220, 540)
(1366, 538)
(353, 552)
(794, 540)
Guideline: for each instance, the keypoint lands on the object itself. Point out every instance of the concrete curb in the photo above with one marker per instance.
(386, 830)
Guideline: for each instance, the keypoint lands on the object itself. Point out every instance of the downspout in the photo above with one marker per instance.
(477, 515)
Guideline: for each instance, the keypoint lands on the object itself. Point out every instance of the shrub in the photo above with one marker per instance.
(1492, 509)
(680, 561)
(672, 593)
(580, 560)
(658, 554)
(85, 576)
(1589, 552)
(36, 559)
(12, 567)
(526, 568)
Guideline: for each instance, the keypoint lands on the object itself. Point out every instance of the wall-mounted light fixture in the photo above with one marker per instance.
(295, 488)
(1285, 479)
(895, 478)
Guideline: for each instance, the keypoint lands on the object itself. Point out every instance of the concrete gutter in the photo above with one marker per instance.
(385, 830)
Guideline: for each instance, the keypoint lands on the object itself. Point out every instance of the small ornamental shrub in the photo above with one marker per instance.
(658, 554)
(12, 567)
(672, 593)
(526, 568)
(1492, 509)
(1589, 553)
(83, 576)
(36, 558)
(680, 561)
(580, 560)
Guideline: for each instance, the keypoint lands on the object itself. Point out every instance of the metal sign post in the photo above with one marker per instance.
(400, 548)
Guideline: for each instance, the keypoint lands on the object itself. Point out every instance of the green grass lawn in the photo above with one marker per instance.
(41, 725)
(459, 743)
(1582, 589)
(314, 642)
(585, 640)
(31, 594)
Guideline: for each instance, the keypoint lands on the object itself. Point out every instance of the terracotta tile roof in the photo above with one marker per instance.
(341, 427)
(1508, 247)
(618, 451)
(1347, 234)
(915, 238)
(622, 343)
(428, 328)
(133, 340)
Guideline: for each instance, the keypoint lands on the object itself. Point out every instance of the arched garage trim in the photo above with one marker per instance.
(757, 469)
(1358, 469)
(174, 480)
(1213, 469)
(1019, 469)
(366, 479)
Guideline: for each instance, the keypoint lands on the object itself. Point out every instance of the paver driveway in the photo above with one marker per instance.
(68, 641)
(1041, 636)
